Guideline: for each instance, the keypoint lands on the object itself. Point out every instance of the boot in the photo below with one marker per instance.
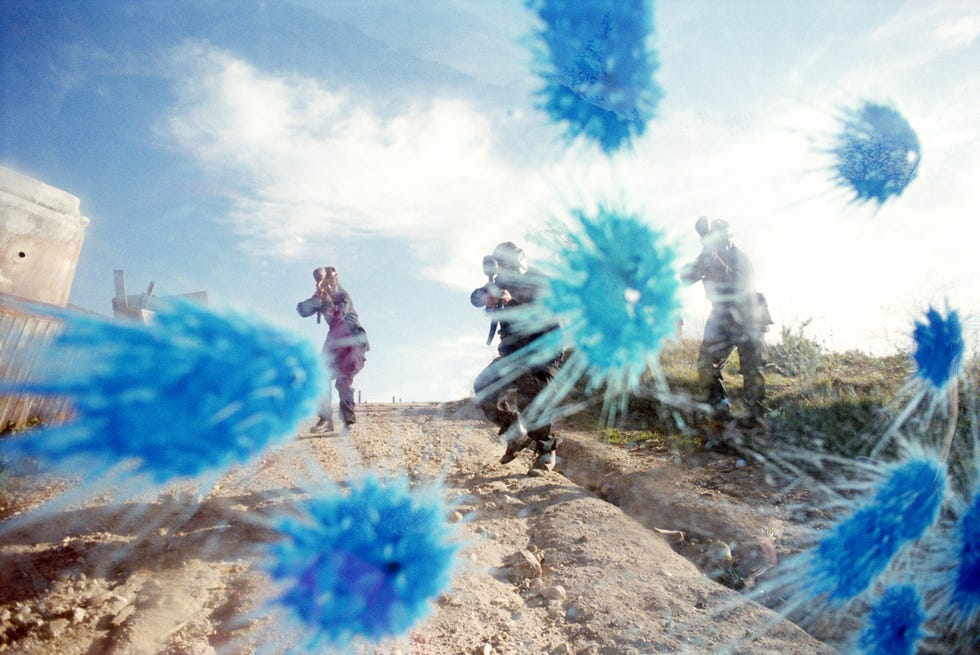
(325, 424)
(517, 441)
(543, 464)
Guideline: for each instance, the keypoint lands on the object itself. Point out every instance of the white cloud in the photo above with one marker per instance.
(960, 32)
(313, 160)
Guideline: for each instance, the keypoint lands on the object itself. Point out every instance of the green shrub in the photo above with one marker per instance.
(796, 354)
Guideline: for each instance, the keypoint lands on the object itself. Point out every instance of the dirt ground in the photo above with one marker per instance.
(620, 551)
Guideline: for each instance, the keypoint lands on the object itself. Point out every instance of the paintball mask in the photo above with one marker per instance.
(326, 278)
(715, 234)
(510, 257)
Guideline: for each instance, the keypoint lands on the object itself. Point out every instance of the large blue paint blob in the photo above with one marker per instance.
(966, 588)
(912, 494)
(363, 564)
(877, 153)
(615, 288)
(939, 347)
(859, 549)
(597, 67)
(894, 624)
(193, 391)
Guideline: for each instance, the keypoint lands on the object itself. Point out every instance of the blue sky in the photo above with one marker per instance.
(233, 147)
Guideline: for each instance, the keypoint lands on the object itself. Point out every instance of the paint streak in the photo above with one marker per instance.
(194, 391)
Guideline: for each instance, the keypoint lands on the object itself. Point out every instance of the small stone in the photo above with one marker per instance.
(121, 617)
(55, 627)
(77, 615)
(556, 592)
(526, 564)
(556, 611)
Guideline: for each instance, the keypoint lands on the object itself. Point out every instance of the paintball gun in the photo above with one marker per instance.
(492, 290)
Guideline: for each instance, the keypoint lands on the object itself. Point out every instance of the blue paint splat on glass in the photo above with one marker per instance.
(893, 626)
(966, 587)
(597, 68)
(939, 347)
(859, 549)
(363, 564)
(615, 288)
(877, 153)
(193, 391)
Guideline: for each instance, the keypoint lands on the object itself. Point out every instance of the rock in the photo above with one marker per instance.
(525, 564)
(574, 613)
(121, 617)
(556, 592)
(672, 536)
(55, 627)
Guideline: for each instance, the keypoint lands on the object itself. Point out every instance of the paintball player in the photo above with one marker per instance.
(511, 381)
(345, 346)
(739, 319)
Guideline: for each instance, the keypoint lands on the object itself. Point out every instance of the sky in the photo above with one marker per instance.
(234, 146)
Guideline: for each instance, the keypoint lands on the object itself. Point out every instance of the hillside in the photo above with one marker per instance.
(645, 540)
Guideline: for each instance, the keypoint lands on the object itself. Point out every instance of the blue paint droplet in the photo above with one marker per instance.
(597, 68)
(939, 347)
(859, 549)
(966, 589)
(366, 563)
(894, 624)
(877, 153)
(191, 392)
(615, 289)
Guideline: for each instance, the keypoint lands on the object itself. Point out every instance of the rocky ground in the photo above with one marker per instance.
(625, 550)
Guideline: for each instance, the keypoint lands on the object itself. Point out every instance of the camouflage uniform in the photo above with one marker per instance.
(344, 350)
(518, 379)
(739, 319)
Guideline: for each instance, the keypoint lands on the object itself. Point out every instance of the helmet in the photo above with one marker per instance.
(511, 257)
(324, 272)
(720, 234)
(719, 224)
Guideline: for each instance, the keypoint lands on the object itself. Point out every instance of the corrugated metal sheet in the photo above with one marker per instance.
(23, 335)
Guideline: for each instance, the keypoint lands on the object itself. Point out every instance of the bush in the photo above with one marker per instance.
(796, 354)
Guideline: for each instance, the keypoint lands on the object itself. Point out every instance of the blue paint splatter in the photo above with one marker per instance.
(598, 68)
(859, 549)
(894, 624)
(939, 347)
(877, 153)
(364, 564)
(966, 587)
(615, 290)
(191, 392)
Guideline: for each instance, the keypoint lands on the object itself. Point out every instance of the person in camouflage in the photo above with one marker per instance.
(346, 345)
(509, 384)
(739, 319)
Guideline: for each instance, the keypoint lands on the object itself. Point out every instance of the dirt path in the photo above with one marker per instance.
(548, 565)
